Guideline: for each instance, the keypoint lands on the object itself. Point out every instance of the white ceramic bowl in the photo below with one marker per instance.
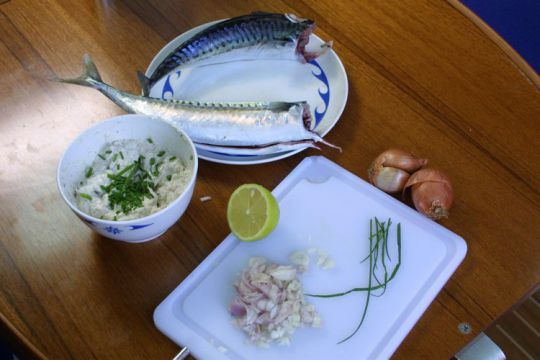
(83, 151)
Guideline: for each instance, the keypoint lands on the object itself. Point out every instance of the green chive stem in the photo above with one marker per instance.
(85, 196)
(89, 172)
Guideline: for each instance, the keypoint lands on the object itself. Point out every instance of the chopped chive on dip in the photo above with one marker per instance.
(89, 172)
(150, 140)
(130, 179)
(129, 187)
(85, 196)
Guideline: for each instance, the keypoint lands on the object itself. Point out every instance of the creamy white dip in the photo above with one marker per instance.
(141, 164)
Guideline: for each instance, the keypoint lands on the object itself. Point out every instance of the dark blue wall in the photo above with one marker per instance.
(517, 21)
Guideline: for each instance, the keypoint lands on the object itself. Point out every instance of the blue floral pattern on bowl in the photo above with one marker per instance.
(115, 230)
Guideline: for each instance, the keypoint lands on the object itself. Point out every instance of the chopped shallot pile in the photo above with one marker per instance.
(270, 304)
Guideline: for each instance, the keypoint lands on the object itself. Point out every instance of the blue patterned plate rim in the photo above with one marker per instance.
(323, 124)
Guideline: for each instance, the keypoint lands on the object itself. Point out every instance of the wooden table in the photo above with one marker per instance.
(423, 77)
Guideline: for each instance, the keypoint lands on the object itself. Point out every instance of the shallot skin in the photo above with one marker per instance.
(390, 180)
(431, 192)
(391, 170)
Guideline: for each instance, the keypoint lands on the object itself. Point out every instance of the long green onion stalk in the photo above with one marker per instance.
(378, 253)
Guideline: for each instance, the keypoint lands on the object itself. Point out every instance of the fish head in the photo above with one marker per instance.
(304, 28)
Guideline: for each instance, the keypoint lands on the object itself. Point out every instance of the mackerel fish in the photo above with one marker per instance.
(249, 37)
(237, 128)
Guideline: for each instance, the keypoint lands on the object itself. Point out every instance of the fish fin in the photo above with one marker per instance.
(338, 148)
(90, 68)
(144, 81)
(89, 76)
(319, 138)
(264, 149)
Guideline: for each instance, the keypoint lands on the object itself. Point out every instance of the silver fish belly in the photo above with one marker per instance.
(240, 128)
(245, 128)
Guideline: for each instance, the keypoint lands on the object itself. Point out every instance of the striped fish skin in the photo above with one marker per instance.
(246, 128)
(258, 35)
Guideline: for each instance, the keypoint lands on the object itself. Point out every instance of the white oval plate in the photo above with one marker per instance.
(321, 82)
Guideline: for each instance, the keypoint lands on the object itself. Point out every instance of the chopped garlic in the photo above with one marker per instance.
(283, 273)
(317, 322)
(323, 256)
(328, 264)
(301, 259)
(256, 260)
(205, 198)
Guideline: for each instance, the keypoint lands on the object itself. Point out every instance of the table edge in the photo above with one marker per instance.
(17, 341)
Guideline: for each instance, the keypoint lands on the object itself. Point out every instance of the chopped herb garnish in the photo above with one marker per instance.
(121, 155)
(115, 218)
(161, 153)
(114, 157)
(169, 177)
(89, 172)
(85, 196)
(108, 151)
(129, 187)
(117, 166)
(150, 140)
(155, 172)
(172, 158)
(152, 161)
(101, 156)
(190, 157)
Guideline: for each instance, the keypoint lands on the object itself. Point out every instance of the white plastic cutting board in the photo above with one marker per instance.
(324, 206)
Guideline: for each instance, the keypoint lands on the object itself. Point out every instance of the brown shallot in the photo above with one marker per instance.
(391, 170)
(431, 192)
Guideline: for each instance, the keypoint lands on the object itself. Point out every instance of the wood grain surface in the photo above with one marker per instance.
(422, 77)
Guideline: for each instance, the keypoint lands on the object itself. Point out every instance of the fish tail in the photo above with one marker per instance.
(89, 77)
(145, 83)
